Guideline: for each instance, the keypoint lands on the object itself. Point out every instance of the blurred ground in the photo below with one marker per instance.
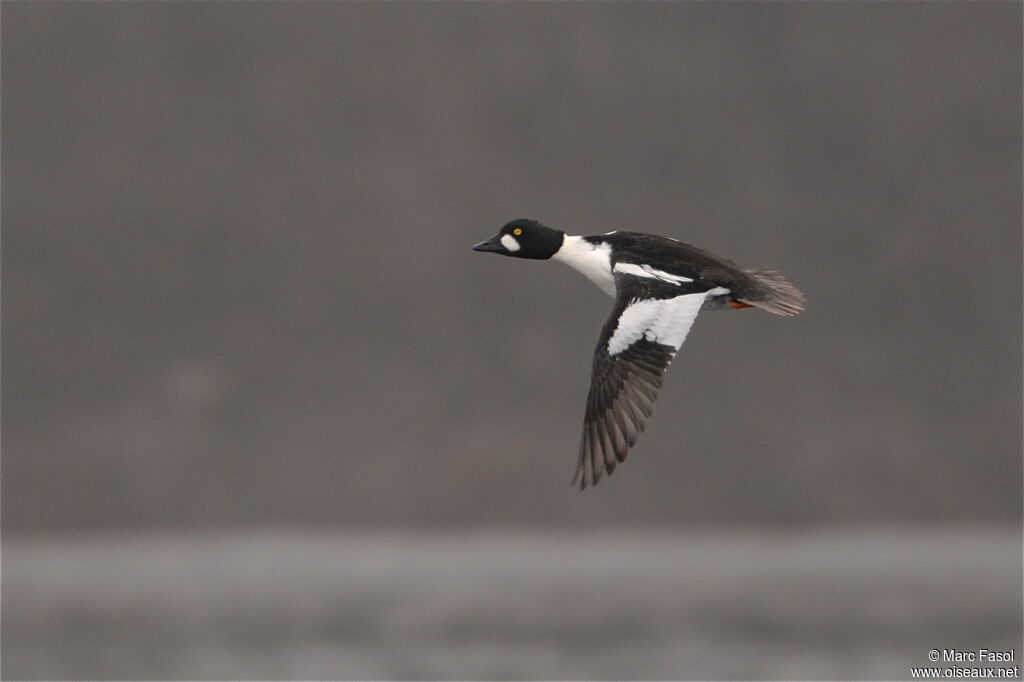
(825, 604)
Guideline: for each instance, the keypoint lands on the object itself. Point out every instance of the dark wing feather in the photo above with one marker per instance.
(647, 326)
(621, 399)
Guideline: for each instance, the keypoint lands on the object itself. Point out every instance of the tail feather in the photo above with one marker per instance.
(774, 294)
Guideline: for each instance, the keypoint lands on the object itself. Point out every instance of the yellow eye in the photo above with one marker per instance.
(518, 231)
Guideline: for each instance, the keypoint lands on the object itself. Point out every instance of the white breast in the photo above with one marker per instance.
(592, 260)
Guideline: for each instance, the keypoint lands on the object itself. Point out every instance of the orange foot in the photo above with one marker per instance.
(739, 304)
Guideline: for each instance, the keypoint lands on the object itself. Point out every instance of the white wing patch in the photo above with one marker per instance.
(666, 321)
(638, 270)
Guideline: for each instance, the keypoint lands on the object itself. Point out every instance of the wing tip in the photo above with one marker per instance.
(601, 451)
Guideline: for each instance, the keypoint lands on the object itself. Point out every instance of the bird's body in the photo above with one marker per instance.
(659, 285)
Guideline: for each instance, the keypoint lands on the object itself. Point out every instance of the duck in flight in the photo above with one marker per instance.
(659, 285)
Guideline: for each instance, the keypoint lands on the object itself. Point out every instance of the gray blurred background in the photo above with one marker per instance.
(265, 413)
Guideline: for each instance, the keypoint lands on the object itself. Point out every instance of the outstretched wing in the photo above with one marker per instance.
(649, 323)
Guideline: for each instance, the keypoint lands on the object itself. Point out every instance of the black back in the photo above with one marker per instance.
(677, 258)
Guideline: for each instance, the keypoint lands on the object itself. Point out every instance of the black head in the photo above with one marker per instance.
(524, 238)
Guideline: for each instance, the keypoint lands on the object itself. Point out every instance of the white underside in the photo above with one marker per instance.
(593, 261)
(666, 321)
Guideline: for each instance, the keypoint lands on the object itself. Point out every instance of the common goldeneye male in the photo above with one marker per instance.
(659, 285)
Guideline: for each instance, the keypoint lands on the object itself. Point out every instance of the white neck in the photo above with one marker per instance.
(592, 260)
